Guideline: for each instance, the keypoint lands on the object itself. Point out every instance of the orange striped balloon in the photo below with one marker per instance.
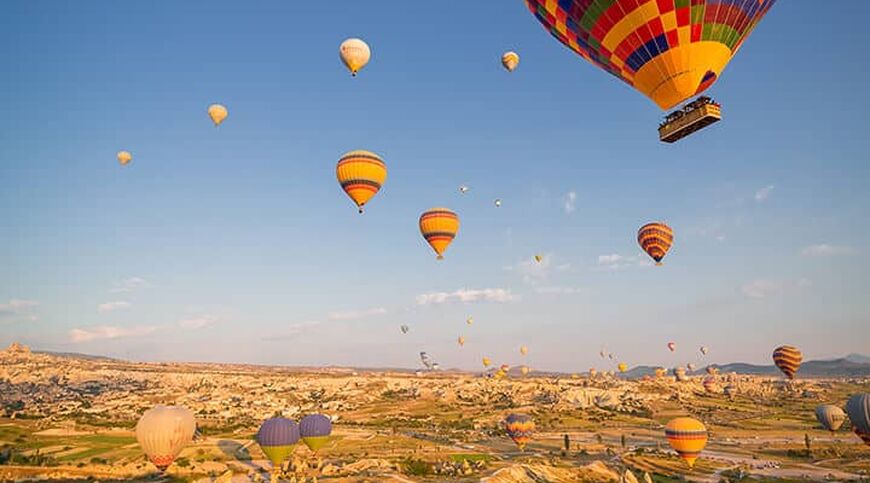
(655, 239)
(788, 360)
(688, 437)
(361, 175)
(439, 227)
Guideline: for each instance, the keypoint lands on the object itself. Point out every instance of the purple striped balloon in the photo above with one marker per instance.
(315, 425)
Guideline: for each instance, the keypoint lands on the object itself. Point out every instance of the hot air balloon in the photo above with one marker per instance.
(661, 372)
(592, 372)
(486, 362)
(497, 202)
(680, 374)
(858, 409)
(520, 428)
(710, 384)
(610, 356)
(704, 350)
(830, 417)
(277, 437)
(426, 360)
(524, 350)
(461, 340)
(439, 227)
(524, 370)
(669, 51)
(622, 367)
(712, 370)
(404, 329)
(688, 437)
(690, 367)
(672, 346)
(315, 430)
(539, 258)
(163, 431)
(355, 54)
(730, 390)
(656, 239)
(788, 359)
(510, 61)
(361, 175)
(217, 113)
(124, 157)
(469, 320)
(463, 189)
(603, 353)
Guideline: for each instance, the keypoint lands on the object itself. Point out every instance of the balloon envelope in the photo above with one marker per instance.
(510, 60)
(277, 437)
(124, 157)
(656, 239)
(830, 417)
(355, 54)
(788, 359)
(361, 175)
(315, 430)
(669, 50)
(858, 409)
(688, 437)
(439, 227)
(519, 428)
(217, 113)
(163, 431)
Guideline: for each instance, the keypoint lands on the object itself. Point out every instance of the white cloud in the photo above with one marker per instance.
(558, 290)
(18, 308)
(825, 250)
(198, 322)
(112, 306)
(764, 193)
(108, 332)
(357, 314)
(498, 295)
(570, 202)
(763, 288)
(616, 261)
(130, 284)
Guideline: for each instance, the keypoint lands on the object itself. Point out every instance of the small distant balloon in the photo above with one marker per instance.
(355, 54)
(469, 320)
(704, 350)
(463, 189)
(404, 329)
(124, 157)
(690, 367)
(524, 350)
(622, 367)
(497, 202)
(539, 258)
(510, 60)
(461, 341)
(486, 362)
(672, 346)
(524, 370)
(217, 113)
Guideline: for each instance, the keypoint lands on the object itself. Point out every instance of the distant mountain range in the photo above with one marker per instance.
(853, 365)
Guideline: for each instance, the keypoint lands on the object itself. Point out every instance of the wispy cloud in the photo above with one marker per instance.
(764, 193)
(616, 261)
(112, 306)
(129, 285)
(825, 250)
(198, 322)
(15, 308)
(556, 290)
(293, 330)
(356, 314)
(570, 202)
(108, 332)
(763, 288)
(498, 295)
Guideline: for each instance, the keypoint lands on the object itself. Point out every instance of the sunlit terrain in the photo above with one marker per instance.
(70, 417)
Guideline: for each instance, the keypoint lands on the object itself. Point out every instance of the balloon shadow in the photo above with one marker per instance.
(236, 451)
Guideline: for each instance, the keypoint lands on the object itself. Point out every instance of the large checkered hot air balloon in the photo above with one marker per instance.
(669, 50)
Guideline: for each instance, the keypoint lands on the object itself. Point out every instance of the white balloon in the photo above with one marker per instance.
(163, 431)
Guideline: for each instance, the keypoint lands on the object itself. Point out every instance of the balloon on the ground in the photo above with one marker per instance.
(688, 437)
(361, 175)
(519, 428)
(668, 50)
(124, 157)
(788, 359)
(656, 239)
(315, 430)
(277, 437)
(217, 113)
(439, 227)
(163, 431)
(510, 60)
(858, 409)
(355, 54)
(830, 417)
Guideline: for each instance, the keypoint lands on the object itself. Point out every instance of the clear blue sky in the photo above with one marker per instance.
(236, 243)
